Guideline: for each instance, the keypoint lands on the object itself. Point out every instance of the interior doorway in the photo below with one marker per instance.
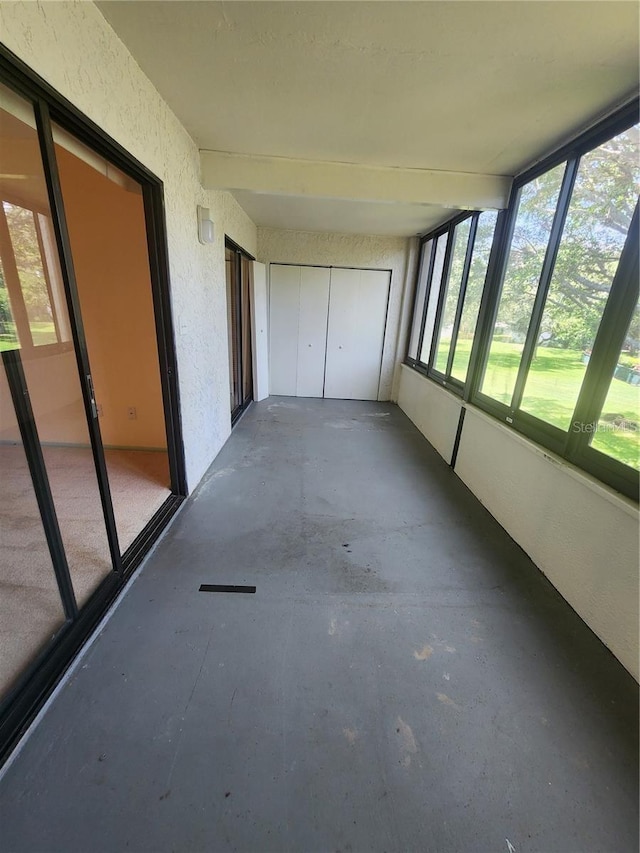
(239, 274)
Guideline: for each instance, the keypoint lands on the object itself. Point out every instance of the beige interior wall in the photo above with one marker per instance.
(109, 246)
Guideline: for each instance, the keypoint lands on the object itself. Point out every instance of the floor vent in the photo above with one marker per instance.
(222, 587)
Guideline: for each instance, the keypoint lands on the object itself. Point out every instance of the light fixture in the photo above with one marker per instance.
(205, 225)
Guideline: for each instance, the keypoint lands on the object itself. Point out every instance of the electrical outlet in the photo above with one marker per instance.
(132, 413)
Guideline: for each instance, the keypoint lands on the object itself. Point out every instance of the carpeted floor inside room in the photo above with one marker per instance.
(30, 608)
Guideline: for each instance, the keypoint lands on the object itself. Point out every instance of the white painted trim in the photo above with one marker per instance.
(259, 332)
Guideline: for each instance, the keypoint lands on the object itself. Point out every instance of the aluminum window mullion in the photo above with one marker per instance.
(463, 290)
(555, 237)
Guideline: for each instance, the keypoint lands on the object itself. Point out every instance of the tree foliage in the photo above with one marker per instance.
(24, 240)
(602, 204)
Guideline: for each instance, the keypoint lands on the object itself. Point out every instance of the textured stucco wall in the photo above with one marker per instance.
(347, 250)
(581, 534)
(71, 45)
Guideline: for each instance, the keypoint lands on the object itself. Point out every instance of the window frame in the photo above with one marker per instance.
(428, 368)
(573, 446)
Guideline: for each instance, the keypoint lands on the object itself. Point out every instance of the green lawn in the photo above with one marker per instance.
(42, 332)
(552, 390)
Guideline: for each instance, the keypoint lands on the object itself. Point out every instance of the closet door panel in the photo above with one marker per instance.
(355, 337)
(312, 330)
(284, 305)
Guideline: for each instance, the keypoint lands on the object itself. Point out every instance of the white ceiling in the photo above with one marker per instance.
(466, 87)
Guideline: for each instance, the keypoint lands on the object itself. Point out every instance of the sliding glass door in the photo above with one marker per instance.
(104, 211)
(43, 413)
(239, 271)
(91, 462)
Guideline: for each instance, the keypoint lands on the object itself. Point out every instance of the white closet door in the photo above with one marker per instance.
(355, 335)
(259, 337)
(284, 309)
(312, 330)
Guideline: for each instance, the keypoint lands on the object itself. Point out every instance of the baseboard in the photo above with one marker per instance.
(78, 446)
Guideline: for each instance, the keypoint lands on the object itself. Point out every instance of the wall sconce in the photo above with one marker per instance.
(205, 225)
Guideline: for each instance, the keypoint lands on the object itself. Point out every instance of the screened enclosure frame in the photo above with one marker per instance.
(572, 445)
(37, 679)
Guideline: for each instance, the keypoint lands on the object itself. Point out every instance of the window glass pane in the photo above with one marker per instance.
(104, 211)
(617, 432)
(473, 294)
(599, 215)
(30, 607)
(28, 257)
(8, 333)
(460, 238)
(51, 375)
(419, 300)
(536, 209)
(434, 292)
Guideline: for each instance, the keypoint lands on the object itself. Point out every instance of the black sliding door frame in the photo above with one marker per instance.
(63, 245)
(34, 684)
(245, 399)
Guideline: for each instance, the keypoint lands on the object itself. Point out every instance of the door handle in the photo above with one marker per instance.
(92, 397)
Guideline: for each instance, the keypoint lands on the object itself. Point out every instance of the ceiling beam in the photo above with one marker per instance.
(222, 170)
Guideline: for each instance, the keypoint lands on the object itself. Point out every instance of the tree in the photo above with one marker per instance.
(602, 204)
(26, 249)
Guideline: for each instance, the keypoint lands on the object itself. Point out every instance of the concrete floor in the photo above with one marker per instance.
(404, 679)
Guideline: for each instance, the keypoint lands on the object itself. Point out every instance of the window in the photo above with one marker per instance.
(451, 294)
(30, 289)
(616, 433)
(423, 275)
(536, 205)
(439, 254)
(452, 277)
(473, 293)
(540, 327)
(598, 220)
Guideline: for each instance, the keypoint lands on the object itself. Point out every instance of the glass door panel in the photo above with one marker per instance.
(31, 610)
(105, 216)
(246, 271)
(35, 320)
(234, 326)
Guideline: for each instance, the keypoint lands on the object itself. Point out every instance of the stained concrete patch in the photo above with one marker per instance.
(351, 735)
(446, 700)
(407, 741)
(424, 653)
